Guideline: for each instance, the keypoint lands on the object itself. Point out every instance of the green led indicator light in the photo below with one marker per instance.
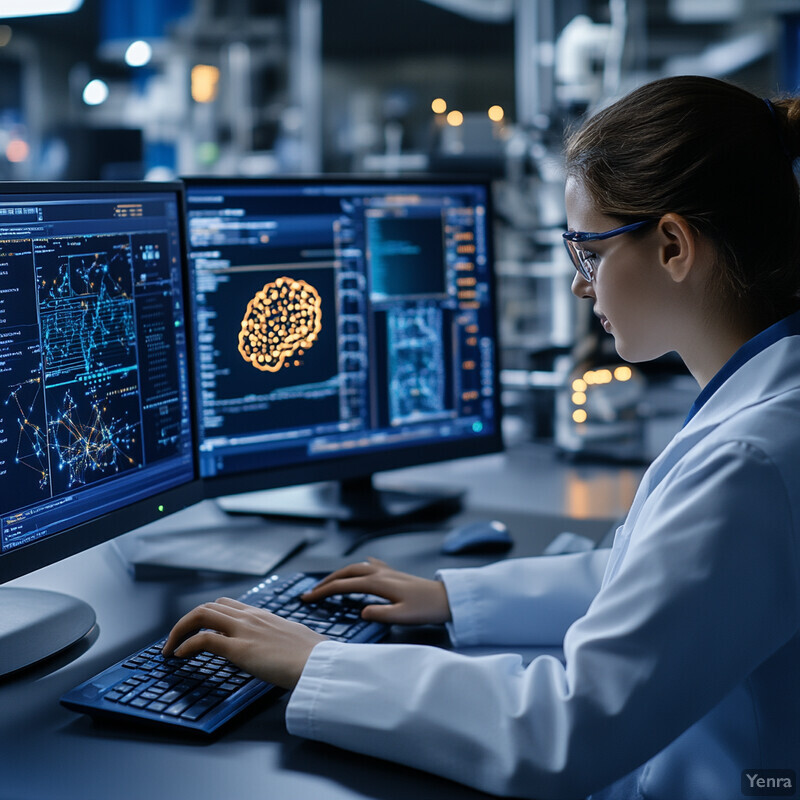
(161, 508)
(477, 427)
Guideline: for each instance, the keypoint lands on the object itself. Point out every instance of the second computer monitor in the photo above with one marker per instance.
(342, 327)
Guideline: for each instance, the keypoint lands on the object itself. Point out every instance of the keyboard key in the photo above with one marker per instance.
(176, 692)
(319, 627)
(354, 631)
(185, 702)
(177, 708)
(201, 707)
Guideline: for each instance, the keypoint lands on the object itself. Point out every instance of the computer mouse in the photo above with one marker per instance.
(483, 536)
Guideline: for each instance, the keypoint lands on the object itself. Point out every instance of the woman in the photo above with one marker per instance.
(682, 647)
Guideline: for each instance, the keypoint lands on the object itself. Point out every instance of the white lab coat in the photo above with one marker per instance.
(681, 649)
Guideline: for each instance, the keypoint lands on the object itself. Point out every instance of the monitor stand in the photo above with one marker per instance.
(36, 624)
(357, 500)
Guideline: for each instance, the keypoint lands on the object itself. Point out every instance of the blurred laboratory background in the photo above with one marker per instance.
(152, 89)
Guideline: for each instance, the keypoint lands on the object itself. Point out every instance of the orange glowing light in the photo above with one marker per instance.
(17, 151)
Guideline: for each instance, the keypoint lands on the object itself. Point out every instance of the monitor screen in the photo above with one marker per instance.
(95, 417)
(344, 326)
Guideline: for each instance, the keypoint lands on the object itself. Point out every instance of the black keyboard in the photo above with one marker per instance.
(204, 692)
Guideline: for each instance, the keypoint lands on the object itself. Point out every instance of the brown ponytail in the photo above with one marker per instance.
(787, 120)
(720, 157)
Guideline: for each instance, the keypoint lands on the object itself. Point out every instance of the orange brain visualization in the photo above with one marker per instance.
(282, 320)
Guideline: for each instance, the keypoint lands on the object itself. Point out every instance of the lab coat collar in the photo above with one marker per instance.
(788, 326)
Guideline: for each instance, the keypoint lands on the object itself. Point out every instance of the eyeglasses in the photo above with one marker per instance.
(584, 261)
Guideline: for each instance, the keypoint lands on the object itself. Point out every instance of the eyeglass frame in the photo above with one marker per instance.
(572, 238)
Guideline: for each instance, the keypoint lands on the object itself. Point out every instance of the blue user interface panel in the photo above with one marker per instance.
(94, 386)
(335, 320)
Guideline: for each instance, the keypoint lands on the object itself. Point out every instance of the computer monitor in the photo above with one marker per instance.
(343, 326)
(95, 416)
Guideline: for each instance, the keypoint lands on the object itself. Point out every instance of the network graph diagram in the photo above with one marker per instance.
(95, 445)
(88, 339)
(26, 399)
(77, 413)
(86, 305)
(95, 411)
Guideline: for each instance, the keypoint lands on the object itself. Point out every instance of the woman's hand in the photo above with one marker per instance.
(414, 601)
(263, 644)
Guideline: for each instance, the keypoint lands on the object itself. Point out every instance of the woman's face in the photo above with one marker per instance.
(629, 291)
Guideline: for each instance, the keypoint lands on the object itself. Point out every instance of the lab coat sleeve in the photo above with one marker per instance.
(707, 591)
(545, 595)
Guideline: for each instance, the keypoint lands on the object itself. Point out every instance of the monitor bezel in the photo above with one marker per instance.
(70, 541)
(361, 465)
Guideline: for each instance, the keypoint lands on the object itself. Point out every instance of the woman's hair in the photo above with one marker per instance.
(721, 158)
